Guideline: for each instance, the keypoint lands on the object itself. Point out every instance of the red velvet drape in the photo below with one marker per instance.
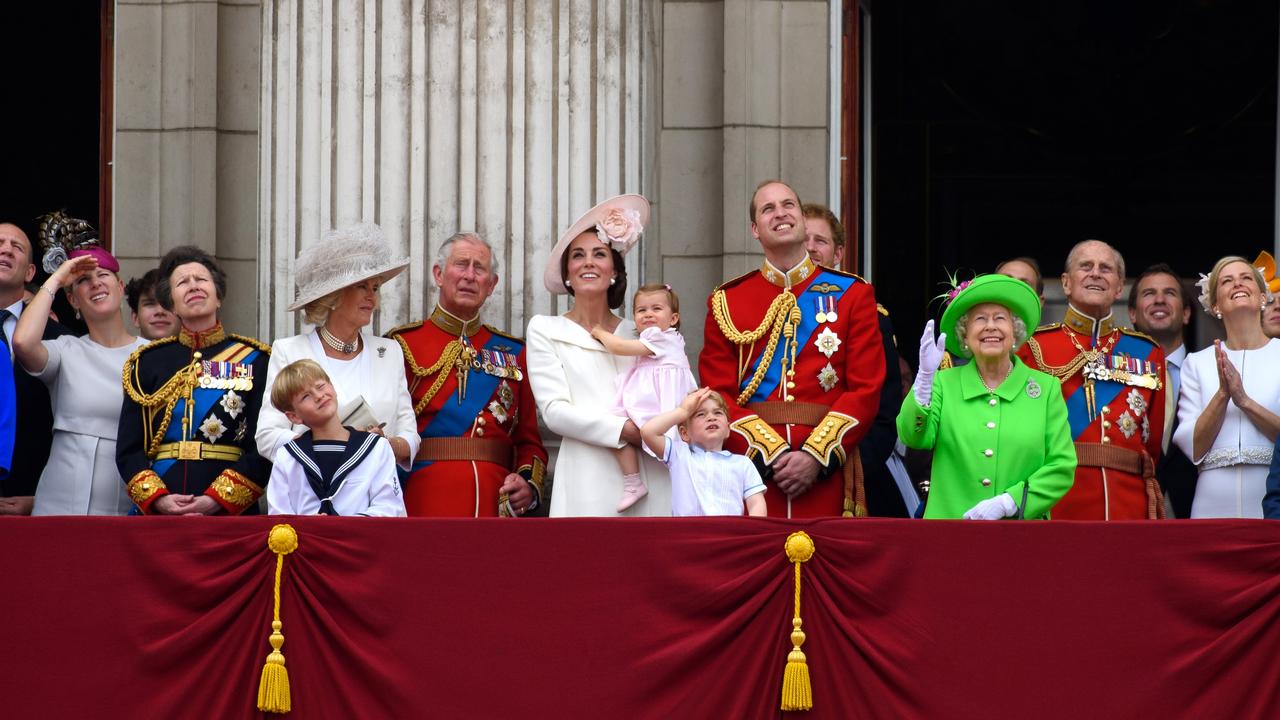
(169, 617)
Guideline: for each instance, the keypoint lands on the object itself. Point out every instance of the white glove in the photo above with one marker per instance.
(930, 358)
(996, 508)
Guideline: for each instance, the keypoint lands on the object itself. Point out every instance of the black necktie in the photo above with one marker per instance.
(4, 336)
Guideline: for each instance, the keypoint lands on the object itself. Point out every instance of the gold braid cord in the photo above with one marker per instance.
(778, 317)
(1062, 372)
(447, 359)
(177, 387)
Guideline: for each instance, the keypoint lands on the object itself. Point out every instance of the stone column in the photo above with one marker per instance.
(744, 98)
(186, 137)
(507, 117)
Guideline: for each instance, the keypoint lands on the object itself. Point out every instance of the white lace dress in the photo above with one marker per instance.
(1233, 473)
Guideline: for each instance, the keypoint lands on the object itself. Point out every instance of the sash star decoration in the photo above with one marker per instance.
(827, 342)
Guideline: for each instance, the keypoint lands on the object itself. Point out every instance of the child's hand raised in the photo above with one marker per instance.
(598, 333)
(695, 399)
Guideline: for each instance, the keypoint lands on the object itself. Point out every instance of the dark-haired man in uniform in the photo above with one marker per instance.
(795, 350)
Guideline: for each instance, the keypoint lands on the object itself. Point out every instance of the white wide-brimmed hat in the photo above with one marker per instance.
(343, 257)
(619, 222)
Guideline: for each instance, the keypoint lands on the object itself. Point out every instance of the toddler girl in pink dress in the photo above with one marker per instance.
(659, 379)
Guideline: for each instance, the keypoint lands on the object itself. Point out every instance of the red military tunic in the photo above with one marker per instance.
(475, 415)
(1113, 383)
(797, 356)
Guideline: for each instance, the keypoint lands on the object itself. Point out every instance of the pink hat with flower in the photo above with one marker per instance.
(618, 222)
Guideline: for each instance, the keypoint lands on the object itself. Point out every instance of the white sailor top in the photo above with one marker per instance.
(357, 477)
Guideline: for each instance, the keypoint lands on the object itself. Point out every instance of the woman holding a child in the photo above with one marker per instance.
(574, 377)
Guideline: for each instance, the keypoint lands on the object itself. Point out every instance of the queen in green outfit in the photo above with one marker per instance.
(998, 429)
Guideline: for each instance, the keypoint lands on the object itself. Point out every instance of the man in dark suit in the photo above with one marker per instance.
(34, 432)
(1160, 306)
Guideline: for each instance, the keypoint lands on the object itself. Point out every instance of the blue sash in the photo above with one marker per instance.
(453, 419)
(1106, 391)
(807, 301)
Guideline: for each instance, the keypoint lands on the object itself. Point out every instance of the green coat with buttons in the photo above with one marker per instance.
(985, 443)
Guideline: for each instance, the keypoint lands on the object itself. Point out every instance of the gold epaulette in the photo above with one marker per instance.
(1047, 327)
(501, 333)
(734, 281)
(251, 342)
(826, 438)
(402, 329)
(1138, 334)
(761, 437)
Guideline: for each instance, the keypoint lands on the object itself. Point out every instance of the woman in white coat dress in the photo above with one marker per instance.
(1229, 404)
(337, 285)
(574, 378)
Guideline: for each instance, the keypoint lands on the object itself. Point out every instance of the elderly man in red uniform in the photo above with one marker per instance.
(481, 455)
(795, 349)
(1113, 382)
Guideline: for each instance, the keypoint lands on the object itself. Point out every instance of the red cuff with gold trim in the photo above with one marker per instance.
(145, 488)
(233, 491)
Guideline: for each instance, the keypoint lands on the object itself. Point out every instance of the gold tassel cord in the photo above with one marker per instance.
(797, 691)
(776, 318)
(273, 689)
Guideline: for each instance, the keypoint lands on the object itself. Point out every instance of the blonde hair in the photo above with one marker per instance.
(1210, 297)
(293, 379)
(717, 397)
(652, 288)
(317, 311)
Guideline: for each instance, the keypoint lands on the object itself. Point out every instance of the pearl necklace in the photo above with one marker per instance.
(332, 341)
(990, 389)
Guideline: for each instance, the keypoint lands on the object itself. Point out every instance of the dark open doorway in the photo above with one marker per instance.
(1012, 128)
(56, 123)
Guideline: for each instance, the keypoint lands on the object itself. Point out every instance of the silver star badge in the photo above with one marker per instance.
(827, 342)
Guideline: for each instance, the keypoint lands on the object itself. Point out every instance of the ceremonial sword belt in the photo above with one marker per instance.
(474, 449)
(190, 450)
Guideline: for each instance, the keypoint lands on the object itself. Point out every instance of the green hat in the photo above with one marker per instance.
(1012, 293)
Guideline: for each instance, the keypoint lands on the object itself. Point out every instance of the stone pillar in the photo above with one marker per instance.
(508, 117)
(186, 137)
(745, 96)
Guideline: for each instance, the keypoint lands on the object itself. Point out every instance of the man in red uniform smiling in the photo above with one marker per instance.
(481, 454)
(1113, 383)
(795, 350)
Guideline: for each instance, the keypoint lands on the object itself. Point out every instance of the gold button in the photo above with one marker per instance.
(1106, 424)
(988, 452)
(791, 398)
(831, 423)
(759, 426)
(986, 482)
(990, 425)
(1105, 410)
(480, 421)
(790, 385)
(1105, 439)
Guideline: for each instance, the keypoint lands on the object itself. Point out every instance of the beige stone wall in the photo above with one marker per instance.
(744, 98)
(482, 114)
(186, 138)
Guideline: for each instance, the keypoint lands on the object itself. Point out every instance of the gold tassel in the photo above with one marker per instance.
(273, 689)
(797, 693)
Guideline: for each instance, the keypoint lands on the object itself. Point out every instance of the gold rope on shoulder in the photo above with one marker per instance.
(448, 358)
(167, 396)
(1062, 372)
(780, 315)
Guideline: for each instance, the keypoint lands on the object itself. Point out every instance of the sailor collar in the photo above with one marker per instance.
(453, 324)
(1086, 325)
(788, 278)
(202, 339)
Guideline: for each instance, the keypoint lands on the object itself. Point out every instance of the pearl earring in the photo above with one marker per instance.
(1218, 315)
(566, 283)
(613, 281)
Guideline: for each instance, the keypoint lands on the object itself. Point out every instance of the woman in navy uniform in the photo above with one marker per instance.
(186, 439)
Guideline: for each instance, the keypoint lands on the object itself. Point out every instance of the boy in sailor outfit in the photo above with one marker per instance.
(330, 469)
